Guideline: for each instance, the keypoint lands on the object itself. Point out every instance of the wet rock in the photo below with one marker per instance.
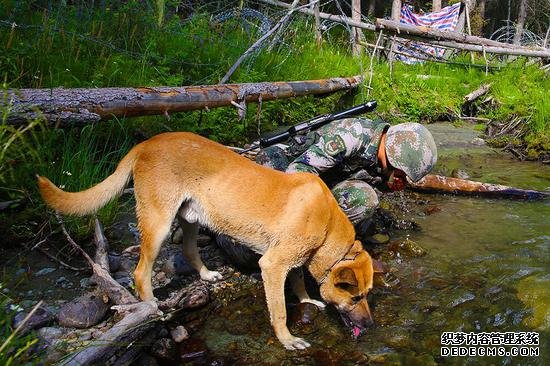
(114, 262)
(127, 264)
(179, 334)
(197, 296)
(164, 348)
(386, 280)
(176, 264)
(430, 210)
(459, 173)
(146, 360)
(407, 247)
(85, 282)
(83, 312)
(192, 349)
(40, 318)
(160, 277)
(45, 271)
(377, 239)
(468, 296)
(397, 338)
(304, 314)
(50, 334)
(49, 340)
(125, 281)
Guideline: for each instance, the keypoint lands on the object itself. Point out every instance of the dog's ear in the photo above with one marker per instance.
(378, 267)
(345, 277)
(356, 247)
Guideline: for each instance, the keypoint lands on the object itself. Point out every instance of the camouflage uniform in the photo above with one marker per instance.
(348, 144)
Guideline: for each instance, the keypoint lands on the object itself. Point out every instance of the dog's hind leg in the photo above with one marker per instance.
(191, 252)
(296, 278)
(153, 226)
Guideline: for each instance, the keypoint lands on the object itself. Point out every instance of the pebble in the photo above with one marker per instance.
(176, 264)
(164, 348)
(83, 312)
(125, 282)
(192, 349)
(41, 317)
(44, 271)
(179, 334)
(462, 299)
(114, 262)
(85, 282)
(50, 334)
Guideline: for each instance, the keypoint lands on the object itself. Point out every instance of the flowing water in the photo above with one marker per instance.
(486, 269)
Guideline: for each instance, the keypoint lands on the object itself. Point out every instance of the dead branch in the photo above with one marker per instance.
(256, 44)
(334, 18)
(134, 324)
(439, 183)
(402, 29)
(482, 90)
(117, 293)
(60, 262)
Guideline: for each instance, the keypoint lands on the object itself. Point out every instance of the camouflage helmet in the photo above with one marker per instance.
(411, 148)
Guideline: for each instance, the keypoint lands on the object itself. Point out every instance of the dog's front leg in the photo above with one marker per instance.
(191, 252)
(275, 267)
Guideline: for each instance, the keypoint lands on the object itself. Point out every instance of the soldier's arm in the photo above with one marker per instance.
(328, 152)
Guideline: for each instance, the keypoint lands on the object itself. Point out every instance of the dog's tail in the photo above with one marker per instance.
(91, 199)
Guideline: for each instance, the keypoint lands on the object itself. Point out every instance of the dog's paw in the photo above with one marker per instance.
(211, 276)
(321, 305)
(294, 343)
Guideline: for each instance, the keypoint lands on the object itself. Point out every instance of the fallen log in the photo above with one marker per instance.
(430, 33)
(334, 18)
(82, 106)
(439, 183)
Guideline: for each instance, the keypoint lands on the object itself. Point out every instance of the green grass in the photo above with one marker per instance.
(15, 349)
(123, 45)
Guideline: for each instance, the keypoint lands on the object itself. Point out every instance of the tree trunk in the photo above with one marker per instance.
(396, 10)
(436, 5)
(521, 22)
(83, 106)
(357, 35)
(395, 16)
(467, 5)
(318, 35)
(372, 8)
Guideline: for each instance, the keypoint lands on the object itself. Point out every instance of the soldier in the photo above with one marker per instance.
(365, 153)
(351, 155)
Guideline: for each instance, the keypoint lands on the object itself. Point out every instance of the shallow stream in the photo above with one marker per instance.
(486, 269)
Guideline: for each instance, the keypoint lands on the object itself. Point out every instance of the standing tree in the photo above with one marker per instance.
(436, 6)
(521, 21)
(357, 34)
(371, 8)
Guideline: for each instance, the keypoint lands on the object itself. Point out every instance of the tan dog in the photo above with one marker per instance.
(291, 219)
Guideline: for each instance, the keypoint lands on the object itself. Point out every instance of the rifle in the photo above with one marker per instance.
(312, 124)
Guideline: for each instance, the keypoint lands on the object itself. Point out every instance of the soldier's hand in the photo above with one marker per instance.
(366, 177)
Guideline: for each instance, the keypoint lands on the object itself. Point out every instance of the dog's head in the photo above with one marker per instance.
(347, 285)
